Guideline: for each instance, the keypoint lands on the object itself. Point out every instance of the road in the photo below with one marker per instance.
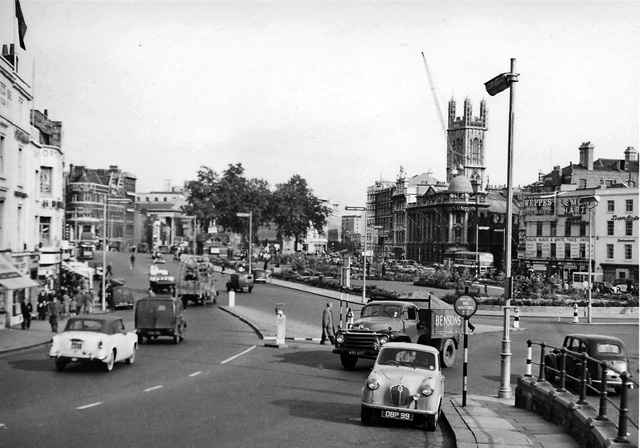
(223, 387)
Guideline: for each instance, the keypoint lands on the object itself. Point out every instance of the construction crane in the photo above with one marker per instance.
(435, 96)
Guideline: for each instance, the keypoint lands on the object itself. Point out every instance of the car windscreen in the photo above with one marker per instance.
(393, 311)
(97, 326)
(411, 358)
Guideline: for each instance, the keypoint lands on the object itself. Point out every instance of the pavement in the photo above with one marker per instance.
(484, 422)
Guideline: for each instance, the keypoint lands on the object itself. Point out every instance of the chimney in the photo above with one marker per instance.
(586, 155)
(630, 154)
(540, 176)
(9, 54)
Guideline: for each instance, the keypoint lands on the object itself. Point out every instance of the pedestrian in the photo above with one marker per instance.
(327, 325)
(73, 306)
(109, 273)
(26, 309)
(133, 260)
(486, 290)
(88, 301)
(54, 309)
(65, 304)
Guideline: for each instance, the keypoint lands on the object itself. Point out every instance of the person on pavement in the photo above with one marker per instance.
(55, 309)
(327, 325)
(26, 309)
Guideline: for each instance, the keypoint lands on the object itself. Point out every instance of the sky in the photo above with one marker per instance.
(336, 92)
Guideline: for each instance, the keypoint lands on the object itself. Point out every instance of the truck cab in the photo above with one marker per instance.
(422, 320)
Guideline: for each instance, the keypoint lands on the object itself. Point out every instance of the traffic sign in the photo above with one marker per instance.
(465, 306)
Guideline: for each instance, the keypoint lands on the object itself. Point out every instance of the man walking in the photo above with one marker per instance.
(54, 313)
(133, 260)
(26, 308)
(327, 325)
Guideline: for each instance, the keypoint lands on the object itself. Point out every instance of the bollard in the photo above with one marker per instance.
(516, 319)
(602, 408)
(281, 323)
(622, 415)
(232, 299)
(528, 367)
(349, 318)
(575, 313)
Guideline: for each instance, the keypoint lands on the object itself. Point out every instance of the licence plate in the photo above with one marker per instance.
(356, 352)
(76, 345)
(397, 415)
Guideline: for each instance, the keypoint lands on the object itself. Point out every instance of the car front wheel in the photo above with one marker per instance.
(366, 415)
(431, 421)
(348, 361)
(132, 358)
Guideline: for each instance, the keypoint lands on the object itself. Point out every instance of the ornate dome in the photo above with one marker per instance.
(460, 184)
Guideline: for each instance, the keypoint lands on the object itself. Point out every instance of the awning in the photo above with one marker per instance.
(83, 270)
(10, 277)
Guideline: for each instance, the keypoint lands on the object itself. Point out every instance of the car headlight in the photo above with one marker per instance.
(372, 383)
(339, 338)
(426, 389)
(384, 339)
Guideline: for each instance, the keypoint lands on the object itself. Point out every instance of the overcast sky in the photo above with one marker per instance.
(336, 92)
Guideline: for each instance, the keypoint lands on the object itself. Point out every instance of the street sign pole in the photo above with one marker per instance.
(465, 306)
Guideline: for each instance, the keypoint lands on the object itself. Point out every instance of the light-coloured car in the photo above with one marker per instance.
(94, 338)
(406, 383)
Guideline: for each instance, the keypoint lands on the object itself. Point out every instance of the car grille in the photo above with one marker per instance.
(359, 341)
(400, 395)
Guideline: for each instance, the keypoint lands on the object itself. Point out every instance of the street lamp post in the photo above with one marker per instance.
(364, 271)
(494, 86)
(590, 203)
(107, 200)
(250, 216)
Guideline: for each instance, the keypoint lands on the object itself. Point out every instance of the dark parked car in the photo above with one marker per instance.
(600, 347)
(604, 287)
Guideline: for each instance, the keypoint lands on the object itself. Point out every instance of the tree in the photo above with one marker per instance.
(201, 194)
(295, 210)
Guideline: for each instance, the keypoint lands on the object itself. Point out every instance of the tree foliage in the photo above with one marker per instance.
(296, 210)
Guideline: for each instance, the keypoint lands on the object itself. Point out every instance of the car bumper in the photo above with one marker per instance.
(399, 409)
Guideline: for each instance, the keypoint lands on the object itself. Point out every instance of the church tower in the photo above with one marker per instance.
(465, 144)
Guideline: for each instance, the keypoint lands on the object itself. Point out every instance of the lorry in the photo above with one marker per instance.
(195, 281)
(422, 319)
(159, 316)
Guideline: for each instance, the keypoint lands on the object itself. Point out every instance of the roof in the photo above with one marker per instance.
(411, 346)
(460, 184)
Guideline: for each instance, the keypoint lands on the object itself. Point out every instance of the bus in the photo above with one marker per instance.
(461, 260)
(579, 278)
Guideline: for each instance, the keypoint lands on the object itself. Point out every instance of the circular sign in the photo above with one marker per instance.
(465, 306)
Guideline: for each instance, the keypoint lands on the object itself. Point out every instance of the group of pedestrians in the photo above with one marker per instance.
(55, 306)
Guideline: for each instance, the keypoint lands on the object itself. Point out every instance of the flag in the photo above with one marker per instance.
(22, 25)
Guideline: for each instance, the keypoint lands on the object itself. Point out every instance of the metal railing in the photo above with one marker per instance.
(584, 382)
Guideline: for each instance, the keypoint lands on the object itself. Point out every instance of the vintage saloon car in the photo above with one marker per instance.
(406, 383)
(597, 346)
(98, 338)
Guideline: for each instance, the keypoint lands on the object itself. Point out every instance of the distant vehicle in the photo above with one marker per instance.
(406, 383)
(579, 279)
(604, 287)
(143, 248)
(462, 260)
(240, 282)
(160, 316)
(86, 251)
(161, 281)
(114, 246)
(122, 297)
(94, 338)
(601, 347)
(260, 275)
(195, 281)
(164, 249)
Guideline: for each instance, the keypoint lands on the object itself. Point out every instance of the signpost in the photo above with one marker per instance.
(465, 306)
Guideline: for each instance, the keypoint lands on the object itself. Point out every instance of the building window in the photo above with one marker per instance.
(582, 183)
(628, 228)
(628, 251)
(45, 229)
(164, 199)
(538, 250)
(629, 205)
(610, 251)
(567, 228)
(610, 225)
(156, 199)
(538, 229)
(611, 206)
(583, 229)
(554, 228)
(553, 250)
(567, 251)
(45, 180)
(21, 176)
(583, 251)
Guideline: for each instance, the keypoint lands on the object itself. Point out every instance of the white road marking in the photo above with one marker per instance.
(238, 355)
(195, 374)
(152, 388)
(90, 405)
